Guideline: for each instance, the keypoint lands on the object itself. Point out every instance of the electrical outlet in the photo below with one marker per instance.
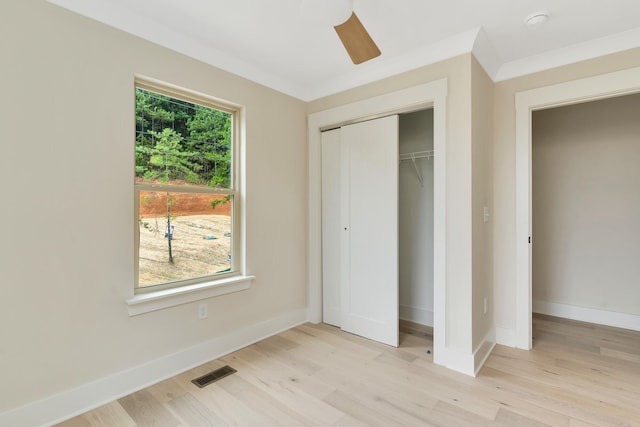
(203, 310)
(486, 305)
(485, 214)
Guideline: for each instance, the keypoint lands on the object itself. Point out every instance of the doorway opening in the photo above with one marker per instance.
(573, 92)
(585, 206)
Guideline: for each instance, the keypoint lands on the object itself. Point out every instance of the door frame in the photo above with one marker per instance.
(603, 86)
(428, 95)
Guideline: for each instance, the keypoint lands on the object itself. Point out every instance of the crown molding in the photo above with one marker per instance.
(568, 55)
(475, 41)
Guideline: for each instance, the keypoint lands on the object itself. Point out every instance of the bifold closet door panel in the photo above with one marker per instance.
(370, 242)
(331, 227)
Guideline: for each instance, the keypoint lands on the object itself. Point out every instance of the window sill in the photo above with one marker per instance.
(152, 301)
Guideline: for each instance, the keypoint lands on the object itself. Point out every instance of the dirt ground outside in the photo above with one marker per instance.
(155, 203)
(201, 242)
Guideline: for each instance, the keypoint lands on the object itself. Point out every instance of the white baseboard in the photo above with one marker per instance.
(417, 315)
(70, 403)
(483, 351)
(506, 337)
(460, 362)
(332, 316)
(450, 358)
(591, 315)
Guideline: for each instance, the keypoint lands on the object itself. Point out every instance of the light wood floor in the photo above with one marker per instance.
(576, 375)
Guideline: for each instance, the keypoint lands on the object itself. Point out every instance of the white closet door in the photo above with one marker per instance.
(370, 232)
(331, 227)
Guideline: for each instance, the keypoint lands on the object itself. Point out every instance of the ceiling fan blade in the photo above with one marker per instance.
(356, 40)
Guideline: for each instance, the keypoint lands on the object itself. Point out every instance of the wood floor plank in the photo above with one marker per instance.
(517, 402)
(302, 395)
(508, 418)
(370, 391)
(622, 355)
(276, 372)
(578, 423)
(577, 375)
(233, 410)
(445, 414)
(111, 414)
(169, 389)
(413, 328)
(580, 381)
(450, 392)
(573, 376)
(567, 401)
(551, 352)
(193, 413)
(264, 403)
(349, 421)
(145, 409)
(289, 358)
(371, 416)
(79, 421)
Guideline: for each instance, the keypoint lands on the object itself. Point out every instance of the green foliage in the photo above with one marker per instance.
(222, 201)
(177, 140)
(169, 161)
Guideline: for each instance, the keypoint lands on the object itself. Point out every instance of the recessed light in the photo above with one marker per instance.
(537, 19)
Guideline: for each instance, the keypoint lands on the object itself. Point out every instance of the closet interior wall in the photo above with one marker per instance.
(416, 217)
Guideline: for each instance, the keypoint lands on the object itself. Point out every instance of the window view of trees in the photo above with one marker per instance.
(177, 140)
(183, 160)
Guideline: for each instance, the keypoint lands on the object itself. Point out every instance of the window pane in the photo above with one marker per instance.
(183, 236)
(180, 142)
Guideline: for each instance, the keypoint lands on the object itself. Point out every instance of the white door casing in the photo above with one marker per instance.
(432, 94)
(588, 89)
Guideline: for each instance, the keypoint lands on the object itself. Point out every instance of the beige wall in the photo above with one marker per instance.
(586, 205)
(504, 168)
(458, 180)
(482, 143)
(67, 166)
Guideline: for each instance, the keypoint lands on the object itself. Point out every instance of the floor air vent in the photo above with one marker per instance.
(214, 376)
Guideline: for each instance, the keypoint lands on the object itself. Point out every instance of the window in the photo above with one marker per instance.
(186, 188)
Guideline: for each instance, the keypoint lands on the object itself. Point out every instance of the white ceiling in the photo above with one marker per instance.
(272, 43)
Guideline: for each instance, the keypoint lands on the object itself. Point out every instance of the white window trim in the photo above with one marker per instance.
(145, 302)
(152, 301)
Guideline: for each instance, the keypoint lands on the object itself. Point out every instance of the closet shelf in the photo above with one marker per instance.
(415, 156)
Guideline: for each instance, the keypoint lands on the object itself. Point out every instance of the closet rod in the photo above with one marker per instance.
(417, 155)
(413, 157)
